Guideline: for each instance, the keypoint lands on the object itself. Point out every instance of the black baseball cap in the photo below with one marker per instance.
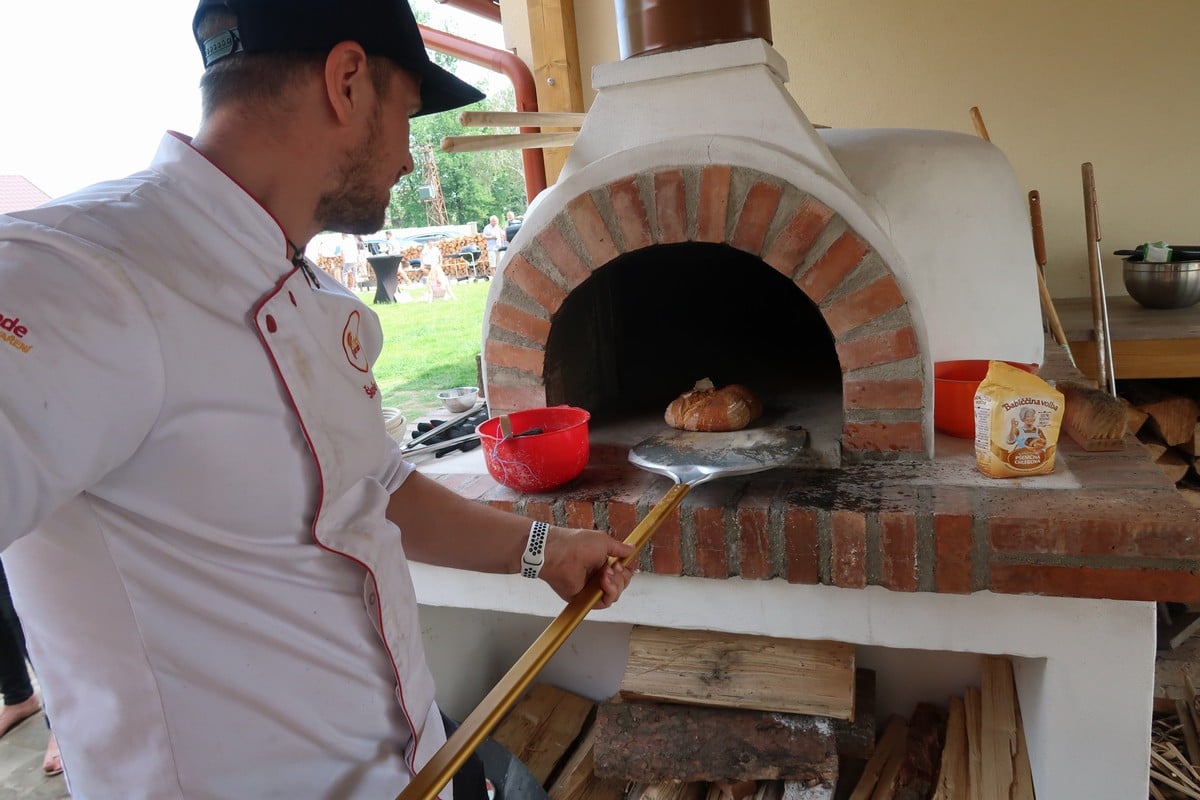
(382, 27)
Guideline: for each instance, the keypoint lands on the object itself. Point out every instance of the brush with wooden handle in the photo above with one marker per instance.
(1039, 255)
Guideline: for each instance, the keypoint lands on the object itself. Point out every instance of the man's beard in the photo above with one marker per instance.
(354, 207)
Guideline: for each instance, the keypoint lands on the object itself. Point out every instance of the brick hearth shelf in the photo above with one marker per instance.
(1119, 531)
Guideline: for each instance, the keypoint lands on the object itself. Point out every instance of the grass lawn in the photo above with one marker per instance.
(428, 347)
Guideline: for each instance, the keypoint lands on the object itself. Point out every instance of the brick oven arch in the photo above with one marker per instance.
(852, 287)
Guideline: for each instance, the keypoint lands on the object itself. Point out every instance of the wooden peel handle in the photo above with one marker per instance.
(980, 128)
(479, 723)
(522, 119)
(1039, 234)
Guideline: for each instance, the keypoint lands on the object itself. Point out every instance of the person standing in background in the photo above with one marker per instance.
(351, 259)
(493, 236)
(20, 701)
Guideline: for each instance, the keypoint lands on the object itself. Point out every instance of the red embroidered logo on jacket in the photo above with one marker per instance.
(352, 345)
(12, 332)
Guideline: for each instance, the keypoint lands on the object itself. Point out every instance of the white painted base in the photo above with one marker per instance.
(1084, 668)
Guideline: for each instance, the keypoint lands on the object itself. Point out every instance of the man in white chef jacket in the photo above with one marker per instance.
(209, 554)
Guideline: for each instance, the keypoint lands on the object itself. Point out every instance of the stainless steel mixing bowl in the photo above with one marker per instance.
(1174, 284)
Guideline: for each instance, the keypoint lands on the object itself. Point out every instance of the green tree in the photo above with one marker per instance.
(474, 185)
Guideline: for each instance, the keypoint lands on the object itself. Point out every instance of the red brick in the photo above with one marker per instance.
(859, 308)
(791, 246)
(666, 546)
(800, 547)
(750, 230)
(563, 256)
(502, 399)
(670, 202)
(631, 214)
(579, 514)
(593, 233)
(503, 354)
(713, 206)
(539, 510)
(882, 348)
(754, 544)
(882, 394)
(898, 537)
(712, 560)
(1099, 582)
(548, 294)
(952, 540)
(522, 323)
(848, 567)
(838, 261)
(1096, 523)
(904, 437)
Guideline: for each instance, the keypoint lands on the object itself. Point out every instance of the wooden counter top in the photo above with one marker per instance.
(1146, 342)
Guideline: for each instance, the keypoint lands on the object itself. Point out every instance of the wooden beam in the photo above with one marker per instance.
(1143, 358)
(555, 56)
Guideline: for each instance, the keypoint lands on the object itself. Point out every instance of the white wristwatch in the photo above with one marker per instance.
(535, 550)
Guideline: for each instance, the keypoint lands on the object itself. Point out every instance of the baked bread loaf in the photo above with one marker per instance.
(707, 408)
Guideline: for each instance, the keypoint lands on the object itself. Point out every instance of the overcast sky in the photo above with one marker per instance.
(87, 88)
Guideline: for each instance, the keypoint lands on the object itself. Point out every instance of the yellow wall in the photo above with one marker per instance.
(1059, 83)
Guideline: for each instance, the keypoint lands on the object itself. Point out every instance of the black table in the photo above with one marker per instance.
(386, 269)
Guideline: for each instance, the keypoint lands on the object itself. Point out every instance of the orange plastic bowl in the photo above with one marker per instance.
(537, 462)
(954, 385)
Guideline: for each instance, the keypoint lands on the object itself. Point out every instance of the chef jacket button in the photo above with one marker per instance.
(372, 599)
(271, 326)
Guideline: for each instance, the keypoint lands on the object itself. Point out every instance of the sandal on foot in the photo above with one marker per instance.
(52, 762)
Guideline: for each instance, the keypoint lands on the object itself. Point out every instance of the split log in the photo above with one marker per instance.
(923, 749)
(1022, 788)
(973, 706)
(1173, 465)
(998, 729)
(542, 727)
(731, 790)
(740, 671)
(1192, 446)
(1135, 418)
(578, 780)
(668, 791)
(1172, 416)
(952, 773)
(1191, 495)
(1154, 447)
(795, 790)
(890, 744)
(653, 742)
(856, 738)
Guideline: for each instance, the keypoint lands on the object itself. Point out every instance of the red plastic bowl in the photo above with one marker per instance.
(954, 386)
(542, 461)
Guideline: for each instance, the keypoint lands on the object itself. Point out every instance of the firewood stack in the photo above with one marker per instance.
(1175, 750)
(1165, 417)
(715, 716)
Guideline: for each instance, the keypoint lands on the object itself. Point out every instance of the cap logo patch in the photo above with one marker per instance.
(351, 344)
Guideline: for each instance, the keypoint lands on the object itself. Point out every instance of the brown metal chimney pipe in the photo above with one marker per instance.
(516, 71)
(659, 26)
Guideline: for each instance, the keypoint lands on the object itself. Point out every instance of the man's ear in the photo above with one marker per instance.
(346, 80)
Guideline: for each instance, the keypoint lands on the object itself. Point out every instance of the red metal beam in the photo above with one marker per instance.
(487, 9)
(524, 88)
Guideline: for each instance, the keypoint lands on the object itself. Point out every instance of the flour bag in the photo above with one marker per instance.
(1017, 420)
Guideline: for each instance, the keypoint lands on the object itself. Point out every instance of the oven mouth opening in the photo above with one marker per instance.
(650, 323)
